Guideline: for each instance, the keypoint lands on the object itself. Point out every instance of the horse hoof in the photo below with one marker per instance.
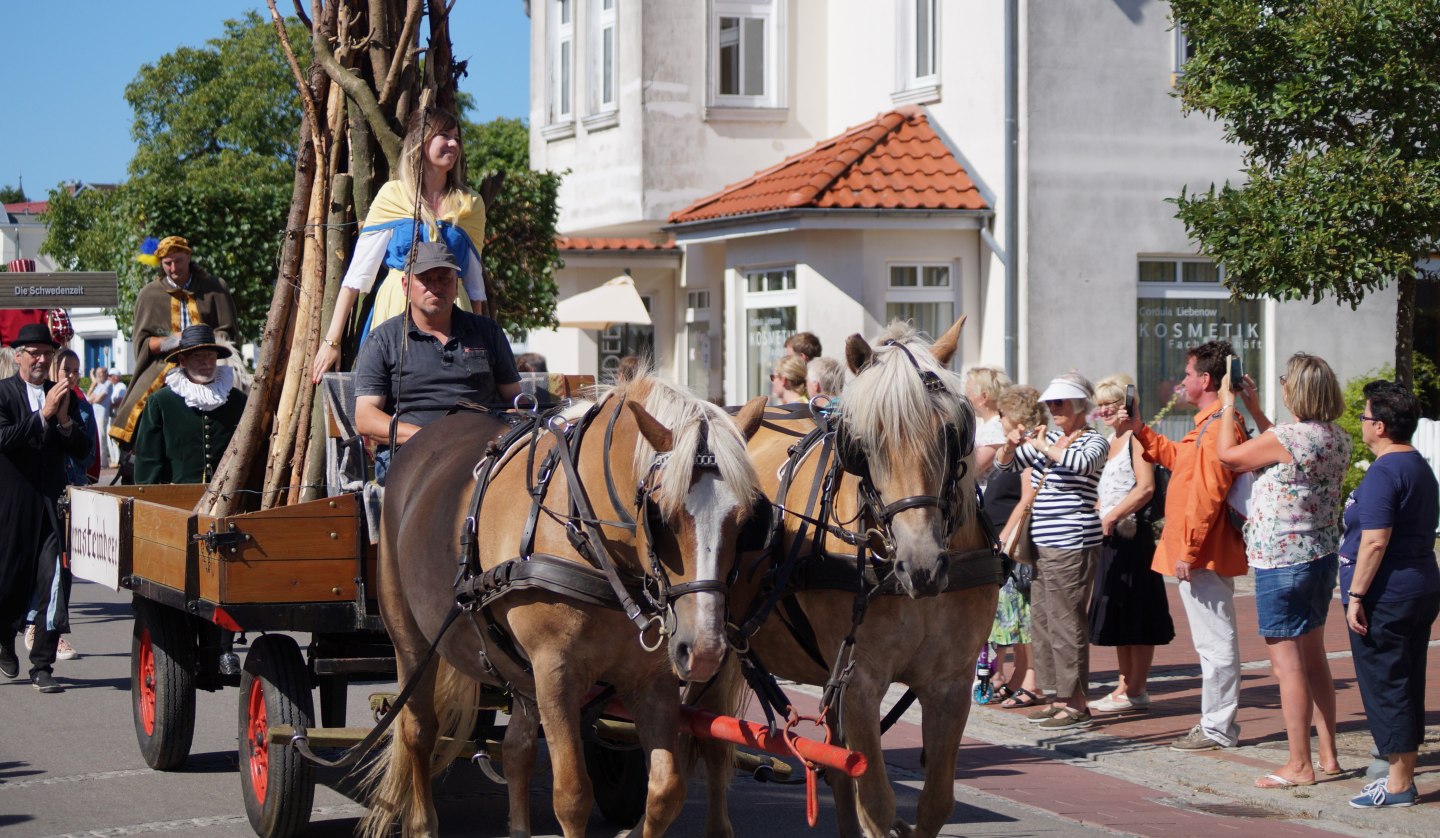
(901, 829)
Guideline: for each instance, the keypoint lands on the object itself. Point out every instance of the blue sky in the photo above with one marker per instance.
(68, 62)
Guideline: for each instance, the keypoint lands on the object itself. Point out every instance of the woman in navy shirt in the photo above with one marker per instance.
(1391, 587)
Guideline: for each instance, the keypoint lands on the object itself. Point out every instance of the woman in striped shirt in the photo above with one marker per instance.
(1065, 527)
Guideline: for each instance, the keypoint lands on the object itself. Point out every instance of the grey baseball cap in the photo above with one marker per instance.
(432, 255)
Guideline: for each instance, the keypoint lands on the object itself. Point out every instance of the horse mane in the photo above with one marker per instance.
(684, 414)
(887, 408)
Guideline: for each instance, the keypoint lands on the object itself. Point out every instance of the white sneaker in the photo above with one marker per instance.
(65, 651)
(1115, 703)
(29, 636)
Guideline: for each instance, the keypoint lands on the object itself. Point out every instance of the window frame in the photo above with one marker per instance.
(910, 85)
(773, 62)
(747, 301)
(602, 20)
(560, 87)
(921, 294)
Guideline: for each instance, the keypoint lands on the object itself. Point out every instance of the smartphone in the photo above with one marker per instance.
(1237, 372)
(1130, 399)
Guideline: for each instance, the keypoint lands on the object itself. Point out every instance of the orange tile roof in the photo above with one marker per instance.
(601, 243)
(895, 161)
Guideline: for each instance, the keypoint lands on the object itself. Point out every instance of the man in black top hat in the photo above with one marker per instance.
(39, 426)
(187, 424)
(450, 355)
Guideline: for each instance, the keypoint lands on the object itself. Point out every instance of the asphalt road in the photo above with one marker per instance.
(69, 765)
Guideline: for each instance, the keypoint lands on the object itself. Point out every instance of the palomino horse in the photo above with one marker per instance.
(549, 641)
(906, 427)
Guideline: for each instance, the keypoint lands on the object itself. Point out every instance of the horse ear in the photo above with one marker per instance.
(944, 348)
(748, 419)
(659, 436)
(857, 353)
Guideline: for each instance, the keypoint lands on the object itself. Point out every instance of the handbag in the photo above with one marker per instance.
(1018, 546)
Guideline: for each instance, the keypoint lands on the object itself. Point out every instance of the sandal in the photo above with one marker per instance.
(1020, 698)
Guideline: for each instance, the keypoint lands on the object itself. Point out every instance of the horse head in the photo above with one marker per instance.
(906, 430)
(696, 488)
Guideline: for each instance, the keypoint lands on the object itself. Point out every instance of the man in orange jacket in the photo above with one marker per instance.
(1200, 547)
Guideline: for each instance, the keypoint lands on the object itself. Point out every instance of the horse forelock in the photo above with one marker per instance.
(888, 409)
(690, 419)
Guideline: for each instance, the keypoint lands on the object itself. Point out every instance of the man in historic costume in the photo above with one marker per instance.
(40, 425)
(183, 295)
(187, 424)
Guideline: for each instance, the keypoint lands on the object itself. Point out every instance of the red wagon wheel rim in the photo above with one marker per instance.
(146, 698)
(258, 739)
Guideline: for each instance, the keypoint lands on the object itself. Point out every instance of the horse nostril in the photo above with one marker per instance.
(682, 653)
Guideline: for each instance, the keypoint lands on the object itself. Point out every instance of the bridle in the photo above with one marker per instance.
(850, 456)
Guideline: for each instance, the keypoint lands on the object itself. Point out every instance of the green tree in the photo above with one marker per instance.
(1337, 106)
(215, 131)
(520, 256)
(12, 194)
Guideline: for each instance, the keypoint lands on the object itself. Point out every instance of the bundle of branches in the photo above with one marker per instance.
(365, 77)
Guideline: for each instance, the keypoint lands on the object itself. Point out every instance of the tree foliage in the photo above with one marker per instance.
(12, 194)
(1336, 104)
(520, 256)
(215, 130)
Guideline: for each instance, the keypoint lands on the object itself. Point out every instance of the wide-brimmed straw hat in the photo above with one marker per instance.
(199, 336)
(169, 245)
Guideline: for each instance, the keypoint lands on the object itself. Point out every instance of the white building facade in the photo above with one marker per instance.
(674, 119)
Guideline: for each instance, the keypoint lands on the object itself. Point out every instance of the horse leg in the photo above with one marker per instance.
(944, 709)
(559, 691)
(519, 763)
(719, 761)
(875, 798)
(417, 729)
(656, 711)
(842, 790)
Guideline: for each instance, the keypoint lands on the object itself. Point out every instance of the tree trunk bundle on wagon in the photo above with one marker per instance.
(365, 77)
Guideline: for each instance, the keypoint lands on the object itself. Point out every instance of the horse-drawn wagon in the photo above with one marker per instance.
(309, 568)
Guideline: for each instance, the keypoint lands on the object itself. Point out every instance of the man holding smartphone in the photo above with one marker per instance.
(1199, 546)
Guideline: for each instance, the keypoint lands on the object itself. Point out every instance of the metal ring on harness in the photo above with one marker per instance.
(733, 631)
(880, 542)
(522, 396)
(661, 632)
(819, 403)
(557, 424)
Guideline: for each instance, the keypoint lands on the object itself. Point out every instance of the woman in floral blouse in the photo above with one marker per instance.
(1291, 540)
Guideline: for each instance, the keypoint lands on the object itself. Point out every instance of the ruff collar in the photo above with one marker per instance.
(203, 397)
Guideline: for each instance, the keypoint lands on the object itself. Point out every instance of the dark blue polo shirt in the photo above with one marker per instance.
(470, 366)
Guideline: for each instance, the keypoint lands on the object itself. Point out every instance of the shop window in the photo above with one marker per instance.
(771, 303)
(923, 294)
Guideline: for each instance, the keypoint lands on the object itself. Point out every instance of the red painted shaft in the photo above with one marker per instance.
(703, 725)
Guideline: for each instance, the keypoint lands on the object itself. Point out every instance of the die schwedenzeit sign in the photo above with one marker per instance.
(58, 290)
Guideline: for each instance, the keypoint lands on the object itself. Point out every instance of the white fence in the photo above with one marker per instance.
(1427, 442)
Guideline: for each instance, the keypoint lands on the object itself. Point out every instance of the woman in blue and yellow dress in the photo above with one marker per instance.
(449, 212)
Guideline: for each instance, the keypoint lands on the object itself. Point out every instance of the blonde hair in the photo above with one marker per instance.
(990, 381)
(7, 362)
(1311, 390)
(1021, 405)
(791, 369)
(1111, 388)
(412, 154)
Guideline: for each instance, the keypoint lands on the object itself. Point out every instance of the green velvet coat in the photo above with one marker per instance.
(176, 443)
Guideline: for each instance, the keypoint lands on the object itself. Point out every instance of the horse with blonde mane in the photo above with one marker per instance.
(648, 479)
(906, 496)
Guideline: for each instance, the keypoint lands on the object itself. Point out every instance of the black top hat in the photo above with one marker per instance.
(199, 336)
(34, 333)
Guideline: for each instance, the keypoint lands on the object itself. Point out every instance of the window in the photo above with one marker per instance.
(771, 303)
(603, 61)
(923, 295)
(562, 60)
(1184, 50)
(623, 340)
(697, 341)
(1183, 304)
(917, 51)
(745, 53)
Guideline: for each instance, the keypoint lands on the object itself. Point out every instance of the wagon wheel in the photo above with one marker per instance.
(277, 783)
(620, 780)
(162, 684)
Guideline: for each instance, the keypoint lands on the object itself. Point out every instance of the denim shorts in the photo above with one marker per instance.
(1294, 600)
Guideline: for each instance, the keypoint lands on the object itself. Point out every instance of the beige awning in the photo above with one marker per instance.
(616, 301)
